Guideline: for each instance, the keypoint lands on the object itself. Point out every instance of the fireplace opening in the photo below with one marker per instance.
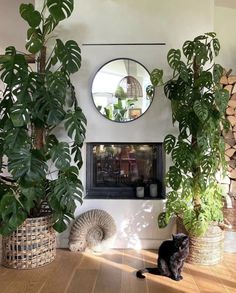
(125, 170)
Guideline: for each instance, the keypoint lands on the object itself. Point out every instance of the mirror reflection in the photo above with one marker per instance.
(119, 90)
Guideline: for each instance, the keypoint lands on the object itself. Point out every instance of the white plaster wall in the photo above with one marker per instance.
(113, 21)
(12, 26)
(224, 25)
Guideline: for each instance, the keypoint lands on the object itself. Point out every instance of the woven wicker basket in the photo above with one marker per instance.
(230, 212)
(207, 249)
(32, 245)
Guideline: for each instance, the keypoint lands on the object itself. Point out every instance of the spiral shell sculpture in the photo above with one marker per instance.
(91, 229)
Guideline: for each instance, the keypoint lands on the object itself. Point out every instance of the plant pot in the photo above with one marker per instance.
(32, 245)
(207, 249)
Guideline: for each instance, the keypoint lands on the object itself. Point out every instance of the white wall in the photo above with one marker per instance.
(12, 26)
(224, 26)
(113, 21)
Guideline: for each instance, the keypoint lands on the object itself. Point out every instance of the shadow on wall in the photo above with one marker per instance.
(134, 228)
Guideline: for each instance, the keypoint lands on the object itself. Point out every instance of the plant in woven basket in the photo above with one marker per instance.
(198, 104)
(37, 165)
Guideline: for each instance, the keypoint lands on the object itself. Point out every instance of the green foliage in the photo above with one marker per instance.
(198, 107)
(42, 166)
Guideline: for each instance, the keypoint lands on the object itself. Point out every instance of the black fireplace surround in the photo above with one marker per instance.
(115, 170)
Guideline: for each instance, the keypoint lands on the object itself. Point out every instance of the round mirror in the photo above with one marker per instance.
(119, 90)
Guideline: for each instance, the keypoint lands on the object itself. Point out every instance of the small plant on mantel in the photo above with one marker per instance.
(198, 104)
(37, 166)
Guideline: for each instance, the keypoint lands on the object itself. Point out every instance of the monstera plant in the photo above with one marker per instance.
(39, 166)
(198, 104)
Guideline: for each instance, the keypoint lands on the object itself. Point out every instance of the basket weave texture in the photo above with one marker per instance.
(32, 245)
(230, 213)
(207, 249)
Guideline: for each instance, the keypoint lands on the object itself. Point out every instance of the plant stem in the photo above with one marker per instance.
(39, 131)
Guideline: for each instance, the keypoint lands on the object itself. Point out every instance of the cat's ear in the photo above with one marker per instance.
(173, 236)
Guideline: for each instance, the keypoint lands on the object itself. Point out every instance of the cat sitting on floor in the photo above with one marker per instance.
(171, 257)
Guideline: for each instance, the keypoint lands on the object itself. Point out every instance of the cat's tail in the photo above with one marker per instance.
(153, 271)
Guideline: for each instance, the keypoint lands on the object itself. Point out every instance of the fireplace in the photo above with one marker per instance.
(121, 170)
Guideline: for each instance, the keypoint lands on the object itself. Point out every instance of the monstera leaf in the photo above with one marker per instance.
(201, 110)
(29, 14)
(25, 87)
(50, 24)
(188, 49)
(34, 40)
(57, 84)
(75, 125)
(66, 190)
(221, 99)
(12, 214)
(13, 67)
(60, 9)
(69, 54)
(156, 77)
(60, 154)
(173, 58)
(19, 115)
(49, 108)
(169, 143)
(28, 164)
(174, 177)
(17, 138)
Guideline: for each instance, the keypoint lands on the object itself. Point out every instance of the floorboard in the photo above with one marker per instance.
(114, 272)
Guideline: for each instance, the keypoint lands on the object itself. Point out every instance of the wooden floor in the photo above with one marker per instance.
(114, 272)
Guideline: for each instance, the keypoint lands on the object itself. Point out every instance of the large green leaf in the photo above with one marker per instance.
(75, 125)
(77, 155)
(57, 84)
(201, 52)
(217, 72)
(162, 223)
(173, 58)
(169, 143)
(174, 177)
(221, 99)
(182, 69)
(28, 164)
(14, 67)
(49, 108)
(26, 86)
(66, 190)
(19, 114)
(216, 46)
(29, 14)
(12, 214)
(16, 138)
(188, 49)
(50, 24)
(69, 54)
(34, 40)
(60, 154)
(60, 9)
(31, 195)
(182, 155)
(156, 77)
(150, 91)
(204, 80)
(201, 110)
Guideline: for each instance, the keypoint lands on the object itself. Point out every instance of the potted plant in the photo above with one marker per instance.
(198, 104)
(39, 167)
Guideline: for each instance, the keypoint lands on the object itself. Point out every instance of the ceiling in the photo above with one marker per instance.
(226, 3)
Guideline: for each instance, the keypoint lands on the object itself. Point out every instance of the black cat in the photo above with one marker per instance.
(171, 257)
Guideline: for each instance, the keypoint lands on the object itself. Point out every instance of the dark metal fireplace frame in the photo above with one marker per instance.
(93, 192)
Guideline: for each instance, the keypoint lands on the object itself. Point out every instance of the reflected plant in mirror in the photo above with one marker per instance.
(120, 90)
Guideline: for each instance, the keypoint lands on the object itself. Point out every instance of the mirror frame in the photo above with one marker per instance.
(94, 76)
